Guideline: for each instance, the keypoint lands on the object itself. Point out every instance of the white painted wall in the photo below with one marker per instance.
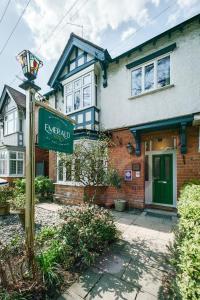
(184, 98)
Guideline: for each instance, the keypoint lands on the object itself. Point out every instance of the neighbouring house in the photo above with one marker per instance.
(148, 99)
(12, 137)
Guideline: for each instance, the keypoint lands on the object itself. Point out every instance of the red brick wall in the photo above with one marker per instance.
(188, 166)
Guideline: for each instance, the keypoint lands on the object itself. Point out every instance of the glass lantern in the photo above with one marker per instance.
(30, 64)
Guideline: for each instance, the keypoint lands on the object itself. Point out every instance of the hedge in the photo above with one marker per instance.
(186, 249)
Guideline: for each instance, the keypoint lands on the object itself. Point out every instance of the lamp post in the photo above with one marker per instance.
(30, 66)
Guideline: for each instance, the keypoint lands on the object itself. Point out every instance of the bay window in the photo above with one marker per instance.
(78, 93)
(150, 76)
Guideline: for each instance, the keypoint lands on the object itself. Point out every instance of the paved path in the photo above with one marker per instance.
(132, 268)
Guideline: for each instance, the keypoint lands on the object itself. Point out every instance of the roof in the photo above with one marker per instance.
(18, 97)
(76, 41)
(155, 38)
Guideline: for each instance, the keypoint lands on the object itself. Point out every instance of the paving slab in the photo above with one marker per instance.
(113, 263)
(145, 296)
(146, 278)
(85, 283)
(111, 288)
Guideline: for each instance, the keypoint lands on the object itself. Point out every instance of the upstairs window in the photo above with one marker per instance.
(10, 123)
(78, 93)
(150, 76)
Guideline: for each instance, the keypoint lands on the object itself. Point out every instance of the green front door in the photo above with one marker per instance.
(163, 179)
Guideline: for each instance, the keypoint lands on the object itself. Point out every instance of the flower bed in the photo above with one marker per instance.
(82, 234)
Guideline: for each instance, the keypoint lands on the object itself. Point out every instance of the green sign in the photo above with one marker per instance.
(54, 132)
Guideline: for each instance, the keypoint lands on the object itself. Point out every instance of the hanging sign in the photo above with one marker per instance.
(54, 132)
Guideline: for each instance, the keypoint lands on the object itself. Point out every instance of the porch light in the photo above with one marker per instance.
(30, 64)
(130, 148)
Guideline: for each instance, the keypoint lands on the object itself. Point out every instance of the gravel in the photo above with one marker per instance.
(10, 226)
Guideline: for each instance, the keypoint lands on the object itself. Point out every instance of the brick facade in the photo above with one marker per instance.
(188, 167)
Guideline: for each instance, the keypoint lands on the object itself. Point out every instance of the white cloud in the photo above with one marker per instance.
(187, 3)
(95, 15)
(127, 33)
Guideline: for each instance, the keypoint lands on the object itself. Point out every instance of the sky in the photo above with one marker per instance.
(45, 25)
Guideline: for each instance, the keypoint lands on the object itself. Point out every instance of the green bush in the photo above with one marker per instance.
(88, 230)
(18, 201)
(6, 193)
(186, 259)
(43, 186)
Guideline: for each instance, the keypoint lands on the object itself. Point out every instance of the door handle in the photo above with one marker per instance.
(162, 181)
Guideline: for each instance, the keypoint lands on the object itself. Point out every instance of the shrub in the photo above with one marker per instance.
(6, 193)
(186, 249)
(43, 186)
(18, 201)
(82, 225)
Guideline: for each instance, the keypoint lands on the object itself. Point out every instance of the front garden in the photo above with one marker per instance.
(64, 245)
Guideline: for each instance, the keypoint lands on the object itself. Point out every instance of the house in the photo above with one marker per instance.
(12, 137)
(148, 99)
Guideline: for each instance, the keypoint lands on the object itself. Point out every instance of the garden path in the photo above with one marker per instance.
(134, 267)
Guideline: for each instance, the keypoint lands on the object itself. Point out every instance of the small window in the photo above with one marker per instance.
(86, 96)
(72, 66)
(136, 82)
(149, 77)
(69, 103)
(77, 100)
(86, 79)
(77, 84)
(163, 71)
(81, 61)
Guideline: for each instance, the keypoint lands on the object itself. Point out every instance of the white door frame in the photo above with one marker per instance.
(149, 183)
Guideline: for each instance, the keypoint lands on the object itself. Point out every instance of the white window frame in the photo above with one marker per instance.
(142, 66)
(92, 91)
(14, 120)
(7, 159)
(17, 160)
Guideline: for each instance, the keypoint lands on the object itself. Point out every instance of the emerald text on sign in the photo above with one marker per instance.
(54, 132)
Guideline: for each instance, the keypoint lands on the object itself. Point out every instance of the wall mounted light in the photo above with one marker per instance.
(130, 148)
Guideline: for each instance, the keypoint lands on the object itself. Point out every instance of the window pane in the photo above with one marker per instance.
(146, 168)
(20, 167)
(81, 61)
(69, 103)
(86, 96)
(13, 155)
(77, 100)
(149, 77)
(136, 81)
(3, 167)
(72, 66)
(13, 165)
(163, 71)
(60, 171)
(156, 168)
(69, 88)
(20, 155)
(77, 170)
(87, 79)
(68, 168)
(77, 84)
